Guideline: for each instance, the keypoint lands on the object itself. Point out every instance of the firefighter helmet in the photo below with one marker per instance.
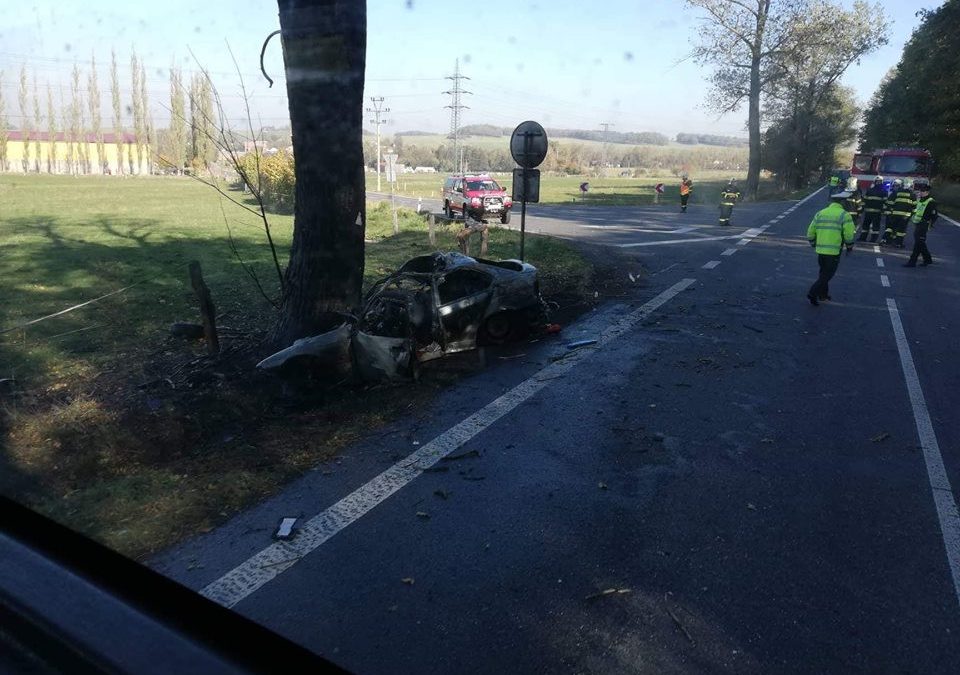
(898, 182)
(878, 180)
(921, 186)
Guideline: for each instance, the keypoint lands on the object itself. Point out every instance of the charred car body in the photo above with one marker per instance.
(432, 306)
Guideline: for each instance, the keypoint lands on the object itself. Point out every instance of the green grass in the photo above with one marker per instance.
(609, 190)
(138, 467)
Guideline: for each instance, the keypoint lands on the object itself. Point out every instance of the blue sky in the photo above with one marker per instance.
(565, 64)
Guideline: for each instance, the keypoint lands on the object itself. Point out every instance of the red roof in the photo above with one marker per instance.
(90, 137)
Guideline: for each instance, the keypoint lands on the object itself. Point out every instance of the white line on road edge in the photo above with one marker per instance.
(710, 265)
(884, 281)
(677, 241)
(729, 251)
(936, 473)
(277, 558)
(950, 220)
(879, 262)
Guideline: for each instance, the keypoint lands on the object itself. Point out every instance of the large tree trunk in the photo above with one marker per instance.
(324, 51)
(753, 128)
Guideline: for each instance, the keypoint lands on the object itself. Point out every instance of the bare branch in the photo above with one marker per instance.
(264, 51)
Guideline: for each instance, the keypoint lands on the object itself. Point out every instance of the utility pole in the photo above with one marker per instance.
(377, 111)
(455, 107)
(603, 152)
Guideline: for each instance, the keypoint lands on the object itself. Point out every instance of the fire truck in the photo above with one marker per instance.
(908, 164)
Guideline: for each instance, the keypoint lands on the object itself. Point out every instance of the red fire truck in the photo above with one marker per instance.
(908, 164)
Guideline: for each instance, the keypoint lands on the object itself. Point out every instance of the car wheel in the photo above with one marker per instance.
(447, 211)
(498, 329)
(505, 218)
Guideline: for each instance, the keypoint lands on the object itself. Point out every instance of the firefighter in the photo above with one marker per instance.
(686, 187)
(900, 205)
(728, 197)
(873, 210)
(854, 203)
(923, 217)
(830, 230)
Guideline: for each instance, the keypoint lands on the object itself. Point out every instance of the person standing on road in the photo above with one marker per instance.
(873, 210)
(728, 198)
(833, 185)
(900, 206)
(686, 187)
(830, 230)
(923, 217)
(854, 205)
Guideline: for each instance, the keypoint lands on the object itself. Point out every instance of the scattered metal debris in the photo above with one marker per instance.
(609, 591)
(407, 580)
(285, 529)
(676, 620)
(581, 343)
(880, 437)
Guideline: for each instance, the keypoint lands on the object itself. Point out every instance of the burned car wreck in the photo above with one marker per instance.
(434, 305)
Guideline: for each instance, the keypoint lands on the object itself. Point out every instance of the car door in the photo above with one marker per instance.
(464, 295)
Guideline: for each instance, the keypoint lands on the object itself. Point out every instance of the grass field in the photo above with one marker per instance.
(92, 435)
(606, 190)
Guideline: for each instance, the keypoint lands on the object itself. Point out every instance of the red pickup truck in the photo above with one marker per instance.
(476, 195)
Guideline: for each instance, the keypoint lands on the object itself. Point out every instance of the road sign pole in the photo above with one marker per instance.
(523, 214)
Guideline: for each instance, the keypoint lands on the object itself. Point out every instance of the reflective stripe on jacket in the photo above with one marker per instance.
(874, 199)
(685, 188)
(926, 211)
(901, 203)
(727, 198)
(831, 229)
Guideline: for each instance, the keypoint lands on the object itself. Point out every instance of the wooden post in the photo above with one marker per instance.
(207, 311)
(431, 224)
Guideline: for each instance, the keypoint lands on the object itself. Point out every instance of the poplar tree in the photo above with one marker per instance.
(178, 140)
(68, 135)
(24, 93)
(4, 133)
(148, 136)
(139, 126)
(52, 157)
(117, 111)
(77, 123)
(37, 122)
(93, 103)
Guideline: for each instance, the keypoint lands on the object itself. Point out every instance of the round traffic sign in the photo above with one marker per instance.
(528, 144)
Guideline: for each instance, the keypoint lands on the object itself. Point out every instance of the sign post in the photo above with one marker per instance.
(528, 145)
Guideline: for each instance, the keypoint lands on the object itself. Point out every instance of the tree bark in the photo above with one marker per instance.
(753, 127)
(324, 52)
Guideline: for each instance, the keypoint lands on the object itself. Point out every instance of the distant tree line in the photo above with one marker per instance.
(918, 102)
(710, 139)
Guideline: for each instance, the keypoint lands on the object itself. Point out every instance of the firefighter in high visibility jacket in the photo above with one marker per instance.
(900, 205)
(830, 230)
(833, 185)
(873, 210)
(854, 203)
(728, 198)
(923, 217)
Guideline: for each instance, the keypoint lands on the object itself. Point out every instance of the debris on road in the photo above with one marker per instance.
(676, 620)
(435, 469)
(880, 437)
(285, 529)
(552, 328)
(766, 440)
(581, 343)
(755, 330)
(423, 514)
(462, 455)
(407, 580)
(752, 507)
(602, 485)
(609, 591)
(442, 494)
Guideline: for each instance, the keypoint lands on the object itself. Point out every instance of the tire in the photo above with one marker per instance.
(498, 329)
(505, 217)
(447, 211)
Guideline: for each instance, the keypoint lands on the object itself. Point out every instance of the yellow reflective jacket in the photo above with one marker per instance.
(831, 229)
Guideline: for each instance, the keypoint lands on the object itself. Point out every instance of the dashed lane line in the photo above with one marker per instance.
(729, 251)
(263, 567)
(943, 499)
(710, 265)
(884, 281)
(879, 262)
(876, 249)
(676, 241)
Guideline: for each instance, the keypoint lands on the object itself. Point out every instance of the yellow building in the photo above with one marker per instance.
(38, 154)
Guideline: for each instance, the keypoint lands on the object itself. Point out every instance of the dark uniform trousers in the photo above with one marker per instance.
(871, 225)
(828, 267)
(920, 243)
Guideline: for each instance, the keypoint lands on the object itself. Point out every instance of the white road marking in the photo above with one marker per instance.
(710, 265)
(943, 499)
(884, 281)
(277, 558)
(879, 262)
(876, 249)
(743, 242)
(649, 230)
(950, 220)
(729, 251)
(676, 241)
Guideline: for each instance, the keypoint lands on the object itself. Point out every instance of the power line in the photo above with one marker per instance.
(455, 107)
(377, 111)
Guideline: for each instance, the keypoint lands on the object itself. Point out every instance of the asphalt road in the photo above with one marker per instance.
(730, 480)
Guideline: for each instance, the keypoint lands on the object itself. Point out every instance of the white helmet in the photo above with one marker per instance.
(898, 182)
(852, 183)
